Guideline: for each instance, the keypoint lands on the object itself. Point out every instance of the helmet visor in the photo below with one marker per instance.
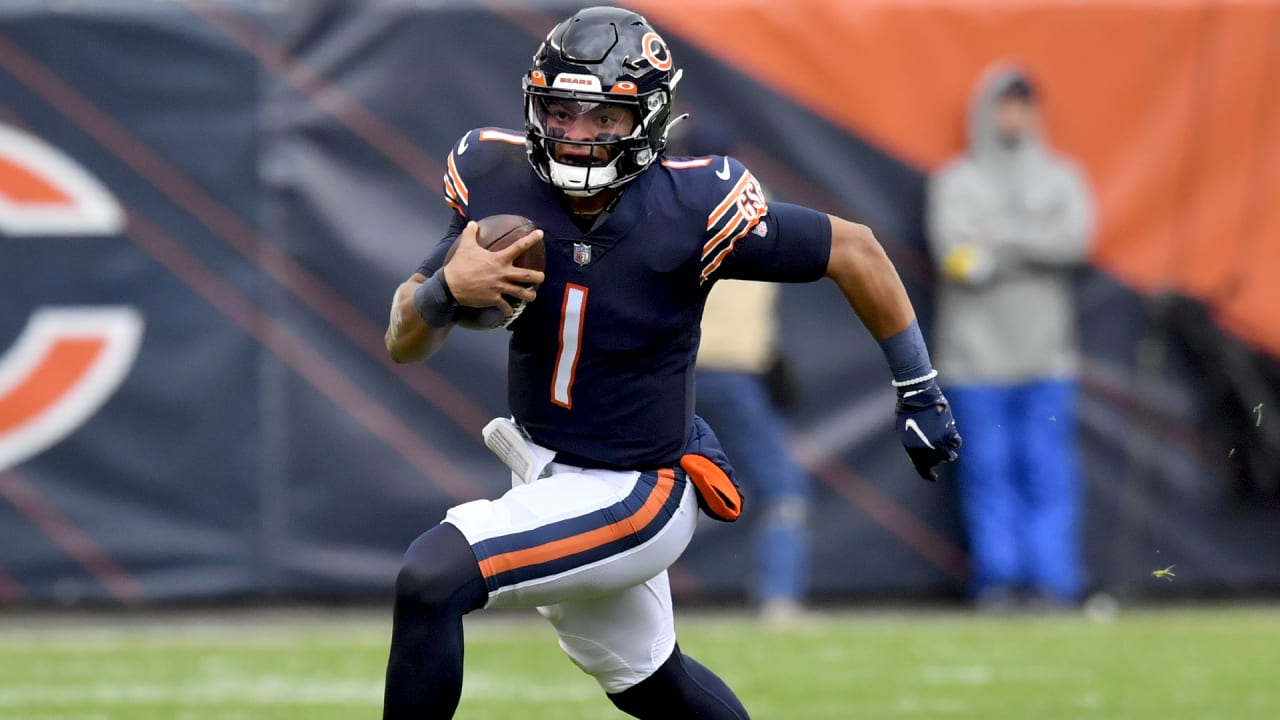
(583, 132)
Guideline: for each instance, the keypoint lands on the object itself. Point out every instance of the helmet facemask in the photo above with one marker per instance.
(627, 155)
(581, 164)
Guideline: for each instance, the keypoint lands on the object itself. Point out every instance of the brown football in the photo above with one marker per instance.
(497, 232)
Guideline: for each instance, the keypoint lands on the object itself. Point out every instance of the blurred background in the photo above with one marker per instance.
(206, 206)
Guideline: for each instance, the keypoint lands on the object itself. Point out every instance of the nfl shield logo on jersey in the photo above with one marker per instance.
(581, 253)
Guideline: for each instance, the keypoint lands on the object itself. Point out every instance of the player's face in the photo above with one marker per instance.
(579, 121)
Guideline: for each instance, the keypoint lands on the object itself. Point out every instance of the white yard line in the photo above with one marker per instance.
(222, 691)
(276, 690)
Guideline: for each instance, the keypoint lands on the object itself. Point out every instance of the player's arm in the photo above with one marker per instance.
(751, 239)
(409, 338)
(425, 306)
(791, 243)
(859, 266)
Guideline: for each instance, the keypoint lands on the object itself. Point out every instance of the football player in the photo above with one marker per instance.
(609, 463)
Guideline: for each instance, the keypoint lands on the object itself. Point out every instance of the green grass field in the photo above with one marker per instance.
(1172, 664)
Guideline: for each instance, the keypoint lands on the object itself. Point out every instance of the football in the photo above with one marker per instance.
(495, 233)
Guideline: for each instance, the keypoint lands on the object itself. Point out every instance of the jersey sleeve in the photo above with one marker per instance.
(470, 164)
(456, 193)
(740, 205)
(749, 239)
(435, 258)
(473, 161)
(790, 244)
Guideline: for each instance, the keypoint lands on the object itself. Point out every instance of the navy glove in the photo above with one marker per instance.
(926, 427)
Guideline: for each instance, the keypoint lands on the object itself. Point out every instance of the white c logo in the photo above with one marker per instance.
(68, 360)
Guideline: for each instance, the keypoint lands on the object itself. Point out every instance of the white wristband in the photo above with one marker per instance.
(908, 383)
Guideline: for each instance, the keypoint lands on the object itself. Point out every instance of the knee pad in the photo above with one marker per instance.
(422, 585)
(439, 571)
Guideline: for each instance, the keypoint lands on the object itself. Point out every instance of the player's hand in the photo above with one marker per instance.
(478, 277)
(926, 427)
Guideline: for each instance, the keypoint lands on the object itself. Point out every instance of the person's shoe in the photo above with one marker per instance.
(782, 613)
(997, 601)
(1042, 603)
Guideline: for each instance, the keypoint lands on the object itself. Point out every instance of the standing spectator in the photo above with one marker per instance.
(734, 360)
(739, 364)
(1008, 222)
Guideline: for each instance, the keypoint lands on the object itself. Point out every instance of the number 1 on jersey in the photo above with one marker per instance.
(575, 304)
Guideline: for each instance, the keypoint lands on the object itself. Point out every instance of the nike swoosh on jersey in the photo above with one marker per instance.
(913, 427)
(723, 173)
(462, 146)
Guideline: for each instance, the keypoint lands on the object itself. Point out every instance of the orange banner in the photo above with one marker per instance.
(1173, 108)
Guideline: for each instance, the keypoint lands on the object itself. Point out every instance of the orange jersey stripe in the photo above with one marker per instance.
(458, 185)
(585, 541)
(715, 263)
(729, 199)
(725, 232)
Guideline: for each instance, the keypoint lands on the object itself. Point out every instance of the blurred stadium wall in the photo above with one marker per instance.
(205, 208)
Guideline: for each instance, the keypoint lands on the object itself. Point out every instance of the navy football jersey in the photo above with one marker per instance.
(601, 365)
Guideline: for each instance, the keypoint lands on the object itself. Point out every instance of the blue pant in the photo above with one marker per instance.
(1020, 491)
(777, 489)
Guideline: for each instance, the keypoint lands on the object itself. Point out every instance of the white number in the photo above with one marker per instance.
(575, 303)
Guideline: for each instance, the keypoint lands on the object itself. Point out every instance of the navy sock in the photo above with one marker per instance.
(438, 583)
(681, 689)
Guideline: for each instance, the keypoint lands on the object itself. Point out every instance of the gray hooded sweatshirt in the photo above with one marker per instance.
(1027, 215)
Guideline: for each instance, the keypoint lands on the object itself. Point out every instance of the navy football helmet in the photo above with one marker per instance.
(601, 56)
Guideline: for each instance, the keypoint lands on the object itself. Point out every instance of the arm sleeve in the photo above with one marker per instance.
(435, 259)
(790, 244)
